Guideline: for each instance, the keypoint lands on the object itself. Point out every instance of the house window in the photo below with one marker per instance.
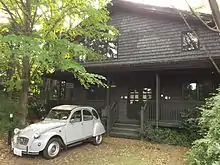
(147, 94)
(190, 91)
(112, 50)
(108, 49)
(190, 41)
(197, 91)
(133, 96)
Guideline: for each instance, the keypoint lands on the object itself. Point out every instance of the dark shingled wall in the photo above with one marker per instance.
(155, 38)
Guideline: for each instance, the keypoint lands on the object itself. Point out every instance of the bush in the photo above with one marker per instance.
(6, 107)
(167, 136)
(36, 109)
(206, 151)
(190, 124)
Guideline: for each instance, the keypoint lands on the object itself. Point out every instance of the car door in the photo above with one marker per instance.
(88, 123)
(74, 128)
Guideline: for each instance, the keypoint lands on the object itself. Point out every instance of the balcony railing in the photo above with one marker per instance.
(169, 111)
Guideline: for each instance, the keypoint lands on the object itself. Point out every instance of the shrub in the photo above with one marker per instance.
(6, 107)
(167, 136)
(190, 123)
(36, 109)
(206, 151)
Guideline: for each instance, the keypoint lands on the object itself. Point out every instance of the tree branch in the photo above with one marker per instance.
(12, 16)
(199, 18)
(17, 12)
(215, 12)
(203, 45)
(34, 72)
(35, 14)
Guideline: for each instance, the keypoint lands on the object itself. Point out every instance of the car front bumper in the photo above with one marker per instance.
(22, 150)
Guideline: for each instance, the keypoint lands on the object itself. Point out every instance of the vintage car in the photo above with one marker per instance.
(64, 126)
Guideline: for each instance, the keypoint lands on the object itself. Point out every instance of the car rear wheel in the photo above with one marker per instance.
(52, 148)
(97, 139)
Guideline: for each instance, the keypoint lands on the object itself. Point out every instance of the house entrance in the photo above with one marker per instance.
(136, 98)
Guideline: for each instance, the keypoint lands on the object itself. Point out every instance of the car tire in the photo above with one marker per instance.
(97, 140)
(52, 148)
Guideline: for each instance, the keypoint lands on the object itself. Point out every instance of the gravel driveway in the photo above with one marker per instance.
(113, 151)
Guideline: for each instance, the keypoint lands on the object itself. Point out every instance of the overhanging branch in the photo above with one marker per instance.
(201, 43)
(199, 18)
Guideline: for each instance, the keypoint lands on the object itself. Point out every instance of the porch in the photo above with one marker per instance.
(141, 97)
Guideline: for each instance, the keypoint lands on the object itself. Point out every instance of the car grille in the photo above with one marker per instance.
(22, 140)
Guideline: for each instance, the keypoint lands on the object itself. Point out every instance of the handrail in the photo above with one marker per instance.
(111, 117)
(113, 105)
(145, 105)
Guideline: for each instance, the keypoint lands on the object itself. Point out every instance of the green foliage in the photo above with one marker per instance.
(6, 107)
(206, 151)
(167, 136)
(36, 109)
(37, 30)
(190, 123)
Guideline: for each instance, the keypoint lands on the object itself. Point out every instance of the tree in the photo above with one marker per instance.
(33, 42)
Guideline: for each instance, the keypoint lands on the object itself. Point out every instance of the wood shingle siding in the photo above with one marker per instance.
(146, 39)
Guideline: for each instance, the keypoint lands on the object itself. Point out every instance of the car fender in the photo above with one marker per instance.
(43, 140)
(98, 128)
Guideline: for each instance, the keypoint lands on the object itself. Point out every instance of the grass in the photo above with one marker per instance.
(113, 151)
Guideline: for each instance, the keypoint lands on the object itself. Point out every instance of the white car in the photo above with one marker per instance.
(64, 125)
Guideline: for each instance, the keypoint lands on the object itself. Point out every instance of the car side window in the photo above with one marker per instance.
(87, 115)
(76, 117)
(95, 114)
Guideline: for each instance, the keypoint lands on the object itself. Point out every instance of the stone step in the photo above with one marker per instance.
(125, 130)
(125, 135)
(125, 125)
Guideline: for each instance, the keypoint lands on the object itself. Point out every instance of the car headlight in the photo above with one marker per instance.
(16, 131)
(36, 135)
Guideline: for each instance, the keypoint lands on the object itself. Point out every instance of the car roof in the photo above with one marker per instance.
(65, 107)
(70, 107)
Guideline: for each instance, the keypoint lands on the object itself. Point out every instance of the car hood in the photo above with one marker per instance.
(41, 127)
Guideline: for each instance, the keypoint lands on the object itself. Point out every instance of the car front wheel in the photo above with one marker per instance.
(52, 148)
(97, 139)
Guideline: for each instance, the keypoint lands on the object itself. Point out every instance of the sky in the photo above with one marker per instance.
(180, 4)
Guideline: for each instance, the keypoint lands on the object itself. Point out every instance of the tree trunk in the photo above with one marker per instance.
(25, 87)
(10, 71)
(26, 65)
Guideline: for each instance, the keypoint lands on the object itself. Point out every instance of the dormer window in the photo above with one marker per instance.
(190, 41)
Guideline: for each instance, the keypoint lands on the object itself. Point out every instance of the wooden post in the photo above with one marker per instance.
(108, 108)
(59, 93)
(157, 99)
(142, 122)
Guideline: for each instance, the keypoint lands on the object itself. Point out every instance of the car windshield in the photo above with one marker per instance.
(58, 114)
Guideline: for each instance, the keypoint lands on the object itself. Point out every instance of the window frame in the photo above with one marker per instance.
(87, 111)
(182, 36)
(81, 118)
(96, 113)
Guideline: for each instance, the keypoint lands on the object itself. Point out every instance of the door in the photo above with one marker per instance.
(136, 99)
(134, 104)
(74, 128)
(88, 123)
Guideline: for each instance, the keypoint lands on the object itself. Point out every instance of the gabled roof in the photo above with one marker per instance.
(150, 9)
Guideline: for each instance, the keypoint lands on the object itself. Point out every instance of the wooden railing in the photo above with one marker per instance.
(112, 111)
(169, 111)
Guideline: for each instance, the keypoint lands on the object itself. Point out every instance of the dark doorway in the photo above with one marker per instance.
(136, 98)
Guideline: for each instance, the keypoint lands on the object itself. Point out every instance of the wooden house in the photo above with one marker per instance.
(157, 63)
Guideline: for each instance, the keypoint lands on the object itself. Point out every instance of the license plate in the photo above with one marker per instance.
(17, 152)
